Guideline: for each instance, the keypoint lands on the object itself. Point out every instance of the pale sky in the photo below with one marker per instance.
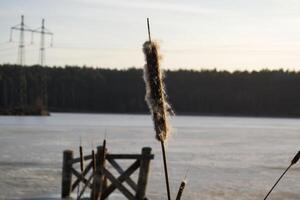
(194, 34)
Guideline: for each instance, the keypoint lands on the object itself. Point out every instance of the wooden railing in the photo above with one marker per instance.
(101, 182)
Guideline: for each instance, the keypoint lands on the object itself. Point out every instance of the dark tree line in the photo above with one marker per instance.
(81, 89)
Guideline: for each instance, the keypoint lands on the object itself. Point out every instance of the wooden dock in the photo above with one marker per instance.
(98, 178)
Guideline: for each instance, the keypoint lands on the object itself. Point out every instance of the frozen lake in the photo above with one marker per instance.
(226, 157)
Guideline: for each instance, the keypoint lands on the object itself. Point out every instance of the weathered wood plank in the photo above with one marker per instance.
(128, 156)
(119, 185)
(80, 177)
(113, 156)
(125, 176)
(85, 186)
(87, 157)
(130, 182)
(85, 171)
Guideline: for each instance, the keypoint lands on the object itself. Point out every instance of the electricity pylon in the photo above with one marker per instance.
(21, 59)
(21, 50)
(42, 56)
(43, 31)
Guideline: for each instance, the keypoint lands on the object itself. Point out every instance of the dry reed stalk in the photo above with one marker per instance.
(81, 167)
(81, 158)
(293, 162)
(180, 190)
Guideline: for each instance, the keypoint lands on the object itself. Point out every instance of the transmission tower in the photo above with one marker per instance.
(43, 31)
(41, 100)
(21, 50)
(42, 56)
(21, 60)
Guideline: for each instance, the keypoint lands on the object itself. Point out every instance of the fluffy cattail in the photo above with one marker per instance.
(155, 92)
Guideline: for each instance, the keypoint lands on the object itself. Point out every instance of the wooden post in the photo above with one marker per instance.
(98, 180)
(66, 183)
(143, 174)
(104, 187)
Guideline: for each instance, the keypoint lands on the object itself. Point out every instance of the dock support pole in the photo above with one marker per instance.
(144, 173)
(98, 180)
(66, 183)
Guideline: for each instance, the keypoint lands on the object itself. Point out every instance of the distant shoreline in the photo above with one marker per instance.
(262, 93)
(46, 113)
(178, 114)
(43, 114)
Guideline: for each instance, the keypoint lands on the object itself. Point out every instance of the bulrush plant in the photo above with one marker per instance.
(156, 98)
(155, 92)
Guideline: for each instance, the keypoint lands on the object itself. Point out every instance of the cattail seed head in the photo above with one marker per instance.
(155, 91)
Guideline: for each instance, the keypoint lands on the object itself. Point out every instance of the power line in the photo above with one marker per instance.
(9, 50)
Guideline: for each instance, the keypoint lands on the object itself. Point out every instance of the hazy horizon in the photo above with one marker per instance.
(225, 35)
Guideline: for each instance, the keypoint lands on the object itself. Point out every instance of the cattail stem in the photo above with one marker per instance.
(81, 155)
(104, 148)
(294, 161)
(180, 191)
(81, 158)
(81, 166)
(104, 145)
(155, 98)
(166, 169)
(148, 26)
(93, 173)
(277, 181)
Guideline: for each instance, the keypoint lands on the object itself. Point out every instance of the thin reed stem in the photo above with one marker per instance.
(277, 181)
(180, 190)
(166, 169)
(148, 26)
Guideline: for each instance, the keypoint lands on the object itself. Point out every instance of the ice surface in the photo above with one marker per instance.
(227, 157)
